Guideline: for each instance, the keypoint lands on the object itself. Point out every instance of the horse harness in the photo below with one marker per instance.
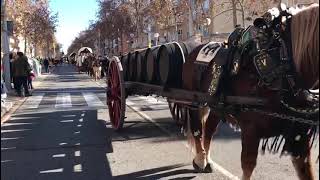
(273, 62)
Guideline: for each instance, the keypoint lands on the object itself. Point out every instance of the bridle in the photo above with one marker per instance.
(273, 61)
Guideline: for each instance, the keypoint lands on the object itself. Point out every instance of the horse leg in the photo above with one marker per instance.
(210, 128)
(249, 153)
(199, 162)
(303, 167)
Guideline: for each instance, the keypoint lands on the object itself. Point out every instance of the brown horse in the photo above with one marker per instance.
(256, 126)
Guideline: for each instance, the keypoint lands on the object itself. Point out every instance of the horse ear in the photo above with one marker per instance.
(259, 22)
(282, 7)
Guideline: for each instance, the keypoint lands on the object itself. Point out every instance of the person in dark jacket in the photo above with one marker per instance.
(46, 65)
(21, 71)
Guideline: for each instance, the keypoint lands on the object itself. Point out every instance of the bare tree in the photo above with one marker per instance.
(33, 21)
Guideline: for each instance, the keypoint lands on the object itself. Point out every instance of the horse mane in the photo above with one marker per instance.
(305, 40)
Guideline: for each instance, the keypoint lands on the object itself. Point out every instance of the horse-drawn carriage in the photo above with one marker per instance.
(259, 80)
(81, 58)
(72, 58)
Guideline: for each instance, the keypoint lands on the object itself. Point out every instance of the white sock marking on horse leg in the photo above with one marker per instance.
(200, 160)
(209, 160)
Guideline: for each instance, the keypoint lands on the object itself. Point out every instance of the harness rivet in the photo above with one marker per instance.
(297, 138)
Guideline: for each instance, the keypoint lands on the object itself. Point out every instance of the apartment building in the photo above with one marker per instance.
(211, 21)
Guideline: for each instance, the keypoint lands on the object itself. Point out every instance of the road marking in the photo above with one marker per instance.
(146, 117)
(92, 99)
(64, 121)
(58, 155)
(52, 171)
(63, 100)
(153, 103)
(13, 138)
(70, 91)
(77, 168)
(77, 153)
(14, 130)
(153, 100)
(15, 124)
(69, 115)
(5, 161)
(33, 101)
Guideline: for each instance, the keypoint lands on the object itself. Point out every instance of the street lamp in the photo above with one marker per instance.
(156, 36)
(205, 25)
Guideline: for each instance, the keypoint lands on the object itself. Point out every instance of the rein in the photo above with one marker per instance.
(291, 83)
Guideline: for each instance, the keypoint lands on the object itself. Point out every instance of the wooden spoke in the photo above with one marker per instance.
(116, 94)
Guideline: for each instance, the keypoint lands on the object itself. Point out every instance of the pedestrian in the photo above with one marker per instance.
(31, 75)
(79, 62)
(21, 71)
(12, 57)
(46, 65)
(50, 64)
(104, 64)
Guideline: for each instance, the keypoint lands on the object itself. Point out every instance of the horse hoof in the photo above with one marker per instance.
(208, 168)
(197, 168)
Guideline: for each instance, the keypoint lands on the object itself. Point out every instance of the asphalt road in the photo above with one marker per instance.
(62, 132)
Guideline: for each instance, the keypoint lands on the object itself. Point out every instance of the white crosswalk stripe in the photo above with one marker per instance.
(63, 100)
(92, 100)
(33, 101)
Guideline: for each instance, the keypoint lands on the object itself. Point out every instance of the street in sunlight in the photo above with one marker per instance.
(162, 89)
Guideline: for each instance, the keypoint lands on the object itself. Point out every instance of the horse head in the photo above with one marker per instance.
(281, 51)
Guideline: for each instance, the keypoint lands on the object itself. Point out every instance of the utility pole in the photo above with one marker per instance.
(5, 47)
(54, 50)
(190, 24)
(176, 24)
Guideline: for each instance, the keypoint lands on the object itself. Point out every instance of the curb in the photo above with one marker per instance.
(6, 115)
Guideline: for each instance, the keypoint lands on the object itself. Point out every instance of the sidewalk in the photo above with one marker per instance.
(13, 102)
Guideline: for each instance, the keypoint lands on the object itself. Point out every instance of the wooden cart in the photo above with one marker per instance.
(133, 75)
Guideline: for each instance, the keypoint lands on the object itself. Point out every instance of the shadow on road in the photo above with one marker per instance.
(157, 173)
(58, 145)
(69, 145)
(144, 129)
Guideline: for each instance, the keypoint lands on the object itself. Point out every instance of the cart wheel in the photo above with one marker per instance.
(116, 94)
(178, 112)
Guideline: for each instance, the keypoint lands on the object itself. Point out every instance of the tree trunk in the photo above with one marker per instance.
(35, 50)
(242, 12)
(212, 14)
(234, 13)
(25, 44)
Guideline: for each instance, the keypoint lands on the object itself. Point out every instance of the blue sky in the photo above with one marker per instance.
(73, 16)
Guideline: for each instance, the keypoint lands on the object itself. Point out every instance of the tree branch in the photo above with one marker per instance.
(222, 12)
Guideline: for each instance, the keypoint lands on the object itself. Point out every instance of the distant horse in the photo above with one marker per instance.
(96, 68)
(303, 34)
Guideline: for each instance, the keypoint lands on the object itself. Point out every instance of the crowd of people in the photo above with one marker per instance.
(94, 66)
(22, 70)
(21, 73)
